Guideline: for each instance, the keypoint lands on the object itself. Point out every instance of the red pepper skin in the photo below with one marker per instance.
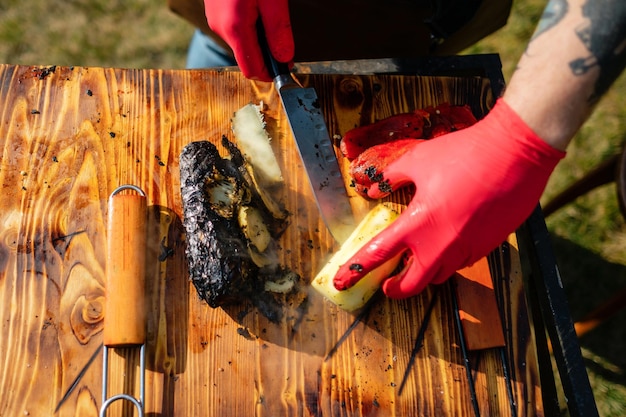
(399, 126)
(446, 118)
(426, 123)
(372, 147)
(369, 166)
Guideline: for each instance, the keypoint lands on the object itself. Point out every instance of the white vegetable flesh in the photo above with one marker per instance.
(248, 126)
(254, 228)
(283, 285)
(277, 210)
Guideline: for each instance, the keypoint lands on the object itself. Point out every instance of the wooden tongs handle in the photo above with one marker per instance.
(125, 316)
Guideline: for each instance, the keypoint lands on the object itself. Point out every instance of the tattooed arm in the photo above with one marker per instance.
(577, 51)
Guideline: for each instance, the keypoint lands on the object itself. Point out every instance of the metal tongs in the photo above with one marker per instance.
(125, 317)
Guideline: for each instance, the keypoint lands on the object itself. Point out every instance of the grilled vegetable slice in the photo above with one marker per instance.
(264, 193)
(254, 228)
(248, 126)
(354, 298)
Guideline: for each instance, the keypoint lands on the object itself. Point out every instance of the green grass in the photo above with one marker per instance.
(589, 235)
(108, 33)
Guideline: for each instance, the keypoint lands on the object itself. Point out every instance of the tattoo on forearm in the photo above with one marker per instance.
(604, 36)
(553, 13)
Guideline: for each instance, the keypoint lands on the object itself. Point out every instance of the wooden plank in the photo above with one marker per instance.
(478, 307)
(70, 136)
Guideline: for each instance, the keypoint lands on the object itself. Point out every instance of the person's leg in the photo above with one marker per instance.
(204, 52)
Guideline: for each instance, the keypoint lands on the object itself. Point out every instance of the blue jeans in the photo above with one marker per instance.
(204, 52)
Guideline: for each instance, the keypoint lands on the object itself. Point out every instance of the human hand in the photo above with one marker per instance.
(472, 188)
(235, 21)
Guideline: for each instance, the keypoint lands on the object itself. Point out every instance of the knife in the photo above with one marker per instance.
(308, 126)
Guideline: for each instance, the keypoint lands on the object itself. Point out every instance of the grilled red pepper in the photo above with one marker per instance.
(369, 166)
(420, 124)
(399, 126)
(446, 118)
(373, 147)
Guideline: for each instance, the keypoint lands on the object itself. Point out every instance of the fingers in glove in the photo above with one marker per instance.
(377, 251)
(250, 59)
(394, 177)
(277, 24)
(405, 283)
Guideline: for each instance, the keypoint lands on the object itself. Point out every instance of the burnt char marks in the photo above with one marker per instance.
(225, 266)
(216, 249)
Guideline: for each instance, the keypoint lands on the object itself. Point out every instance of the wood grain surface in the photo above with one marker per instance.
(70, 136)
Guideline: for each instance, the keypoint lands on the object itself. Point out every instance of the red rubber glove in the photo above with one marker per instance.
(235, 22)
(473, 188)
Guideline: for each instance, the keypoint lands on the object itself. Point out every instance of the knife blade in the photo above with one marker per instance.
(303, 110)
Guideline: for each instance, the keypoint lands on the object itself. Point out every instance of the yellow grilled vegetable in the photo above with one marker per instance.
(355, 297)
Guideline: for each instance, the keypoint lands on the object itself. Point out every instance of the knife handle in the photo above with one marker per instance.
(274, 67)
(125, 314)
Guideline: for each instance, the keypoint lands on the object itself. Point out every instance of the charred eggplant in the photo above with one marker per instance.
(231, 232)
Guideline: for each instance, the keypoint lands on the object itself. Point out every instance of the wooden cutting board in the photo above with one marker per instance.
(70, 136)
